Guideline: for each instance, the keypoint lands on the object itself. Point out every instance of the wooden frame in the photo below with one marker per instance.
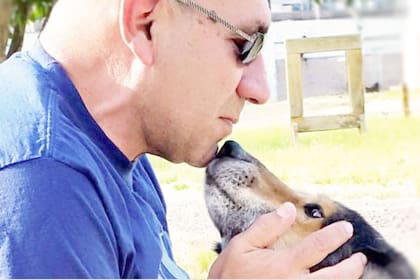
(351, 44)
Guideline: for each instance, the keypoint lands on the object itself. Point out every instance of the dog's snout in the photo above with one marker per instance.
(229, 149)
(233, 150)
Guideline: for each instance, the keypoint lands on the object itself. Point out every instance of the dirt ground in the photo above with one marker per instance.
(394, 214)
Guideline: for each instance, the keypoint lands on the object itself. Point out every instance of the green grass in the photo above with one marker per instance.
(387, 154)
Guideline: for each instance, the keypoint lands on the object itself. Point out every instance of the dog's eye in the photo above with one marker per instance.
(313, 210)
(316, 213)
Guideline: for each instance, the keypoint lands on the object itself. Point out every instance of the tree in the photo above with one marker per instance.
(5, 14)
(14, 15)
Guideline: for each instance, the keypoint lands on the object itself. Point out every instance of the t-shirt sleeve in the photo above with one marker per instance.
(53, 224)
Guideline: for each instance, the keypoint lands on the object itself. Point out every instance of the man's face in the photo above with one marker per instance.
(197, 86)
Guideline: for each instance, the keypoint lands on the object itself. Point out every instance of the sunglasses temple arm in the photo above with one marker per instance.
(215, 17)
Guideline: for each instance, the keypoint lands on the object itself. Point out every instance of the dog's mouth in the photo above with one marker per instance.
(230, 157)
(233, 150)
(230, 177)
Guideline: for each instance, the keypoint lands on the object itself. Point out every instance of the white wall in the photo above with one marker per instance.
(412, 46)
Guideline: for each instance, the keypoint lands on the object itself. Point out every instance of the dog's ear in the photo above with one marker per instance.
(370, 242)
(335, 257)
(378, 253)
(390, 260)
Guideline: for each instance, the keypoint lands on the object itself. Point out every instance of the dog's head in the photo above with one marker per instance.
(239, 188)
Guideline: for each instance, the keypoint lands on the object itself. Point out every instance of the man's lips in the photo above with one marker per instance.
(230, 120)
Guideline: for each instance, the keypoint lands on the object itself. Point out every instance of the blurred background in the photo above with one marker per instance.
(375, 172)
(390, 39)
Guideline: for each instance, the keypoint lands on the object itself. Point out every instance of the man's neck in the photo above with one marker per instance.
(106, 88)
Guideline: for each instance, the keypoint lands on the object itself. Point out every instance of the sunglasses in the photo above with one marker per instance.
(254, 43)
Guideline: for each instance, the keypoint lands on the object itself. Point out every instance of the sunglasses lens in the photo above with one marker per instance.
(252, 48)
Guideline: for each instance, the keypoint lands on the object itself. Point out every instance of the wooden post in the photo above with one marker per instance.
(405, 100)
(294, 90)
(294, 84)
(351, 44)
(355, 84)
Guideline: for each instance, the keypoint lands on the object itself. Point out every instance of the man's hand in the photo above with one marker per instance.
(247, 256)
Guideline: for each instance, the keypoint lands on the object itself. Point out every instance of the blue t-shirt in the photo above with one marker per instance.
(71, 204)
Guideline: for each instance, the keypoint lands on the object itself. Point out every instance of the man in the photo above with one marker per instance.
(109, 82)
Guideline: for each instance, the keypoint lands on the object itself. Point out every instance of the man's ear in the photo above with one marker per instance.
(135, 24)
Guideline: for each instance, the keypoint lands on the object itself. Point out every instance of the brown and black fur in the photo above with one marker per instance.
(239, 188)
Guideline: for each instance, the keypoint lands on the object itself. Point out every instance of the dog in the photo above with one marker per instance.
(239, 188)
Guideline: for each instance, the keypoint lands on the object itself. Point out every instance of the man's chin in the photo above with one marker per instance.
(204, 159)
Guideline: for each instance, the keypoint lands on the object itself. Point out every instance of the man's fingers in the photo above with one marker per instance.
(316, 246)
(351, 268)
(269, 227)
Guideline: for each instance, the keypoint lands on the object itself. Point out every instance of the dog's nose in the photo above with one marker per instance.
(233, 150)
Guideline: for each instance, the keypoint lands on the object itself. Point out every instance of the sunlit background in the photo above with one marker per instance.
(375, 172)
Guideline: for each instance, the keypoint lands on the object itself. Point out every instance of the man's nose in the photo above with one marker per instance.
(253, 85)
